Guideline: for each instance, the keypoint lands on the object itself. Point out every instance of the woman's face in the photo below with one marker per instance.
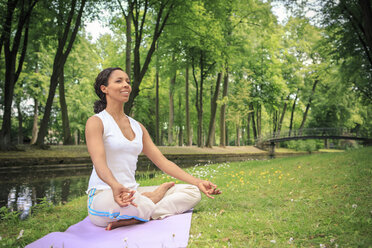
(118, 87)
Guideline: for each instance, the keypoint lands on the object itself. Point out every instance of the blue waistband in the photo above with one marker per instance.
(115, 215)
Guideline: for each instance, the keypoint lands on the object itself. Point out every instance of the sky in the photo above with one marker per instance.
(96, 29)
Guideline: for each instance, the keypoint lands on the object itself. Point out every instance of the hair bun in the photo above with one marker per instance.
(99, 106)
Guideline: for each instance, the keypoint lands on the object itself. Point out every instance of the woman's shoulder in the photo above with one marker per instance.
(95, 121)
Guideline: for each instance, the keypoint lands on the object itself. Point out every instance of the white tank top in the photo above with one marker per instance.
(121, 153)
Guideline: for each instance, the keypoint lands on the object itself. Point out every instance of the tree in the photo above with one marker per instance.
(349, 33)
(223, 109)
(67, 15)
(213, 111)
(171, 106)
(188, 126)
(345, 20)
(140, 10)
(80, 70)
(16, 27)
(128, 34)
(157, 118)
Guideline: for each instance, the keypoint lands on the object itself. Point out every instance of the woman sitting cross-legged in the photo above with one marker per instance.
(114, 141)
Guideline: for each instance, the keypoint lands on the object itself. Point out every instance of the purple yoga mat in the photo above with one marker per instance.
(172, 231)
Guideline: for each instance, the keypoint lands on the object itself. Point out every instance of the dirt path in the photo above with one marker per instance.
(81, 151)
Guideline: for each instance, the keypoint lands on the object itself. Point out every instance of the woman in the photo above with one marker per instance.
(114, 142)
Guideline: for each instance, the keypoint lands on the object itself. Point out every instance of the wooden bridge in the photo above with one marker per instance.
(270, 139)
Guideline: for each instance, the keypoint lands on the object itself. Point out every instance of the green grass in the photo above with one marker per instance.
(44, 220)
(297, 202)
(306, 201)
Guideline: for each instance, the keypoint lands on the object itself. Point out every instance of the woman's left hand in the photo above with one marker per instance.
(208, 188)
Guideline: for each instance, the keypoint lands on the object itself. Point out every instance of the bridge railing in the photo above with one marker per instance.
(306, 132)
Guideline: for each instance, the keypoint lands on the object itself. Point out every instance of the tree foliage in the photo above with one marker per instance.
(245, 69)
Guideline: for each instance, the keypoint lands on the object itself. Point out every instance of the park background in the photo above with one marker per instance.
(204, 74)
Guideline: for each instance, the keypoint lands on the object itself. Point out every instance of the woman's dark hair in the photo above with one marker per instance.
(102, 79)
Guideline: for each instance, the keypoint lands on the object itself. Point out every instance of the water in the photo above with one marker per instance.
(21, 192)
(26, 191)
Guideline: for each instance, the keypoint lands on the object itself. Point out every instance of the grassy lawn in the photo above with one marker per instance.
(319, 200)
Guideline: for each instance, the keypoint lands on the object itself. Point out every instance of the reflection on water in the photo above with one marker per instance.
(20, 193)
(21, 201)
(28, 191)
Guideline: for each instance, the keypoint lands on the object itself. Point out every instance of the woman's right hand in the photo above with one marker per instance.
(123, 196)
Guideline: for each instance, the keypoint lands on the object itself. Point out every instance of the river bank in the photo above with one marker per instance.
(77, 157)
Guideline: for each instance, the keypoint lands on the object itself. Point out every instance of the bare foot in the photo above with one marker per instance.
(159, 193)
(119, 223)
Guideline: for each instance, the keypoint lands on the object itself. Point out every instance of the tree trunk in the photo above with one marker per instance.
(249, 129)
(35, 127)
(292, 113)
(237, 135)
(282, 117)
(244, 142)
(76, 137)
(223, 109)
(200, 101)
(212, 131)
(171, 109)
(67, 138)
(308, 106)
(128, 45)
(212, 120)
(13, 51)
(188, 127)
(5, 139)
(128, 34)
(20, 122)
(58, 63)
(258, 120)
(180, 133)
(366, 21)
(140, 69)
(161, 136)
(326, 144)
(275, 121)
(157, 127)
(48, 107)
(227, 135)
(253, 122)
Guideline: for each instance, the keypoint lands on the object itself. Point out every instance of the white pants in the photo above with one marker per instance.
(102, 208)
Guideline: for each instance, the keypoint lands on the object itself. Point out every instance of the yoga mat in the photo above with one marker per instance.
(172, 231)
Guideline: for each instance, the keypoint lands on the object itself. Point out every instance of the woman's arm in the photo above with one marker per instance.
(155, 155)
(94, 138)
